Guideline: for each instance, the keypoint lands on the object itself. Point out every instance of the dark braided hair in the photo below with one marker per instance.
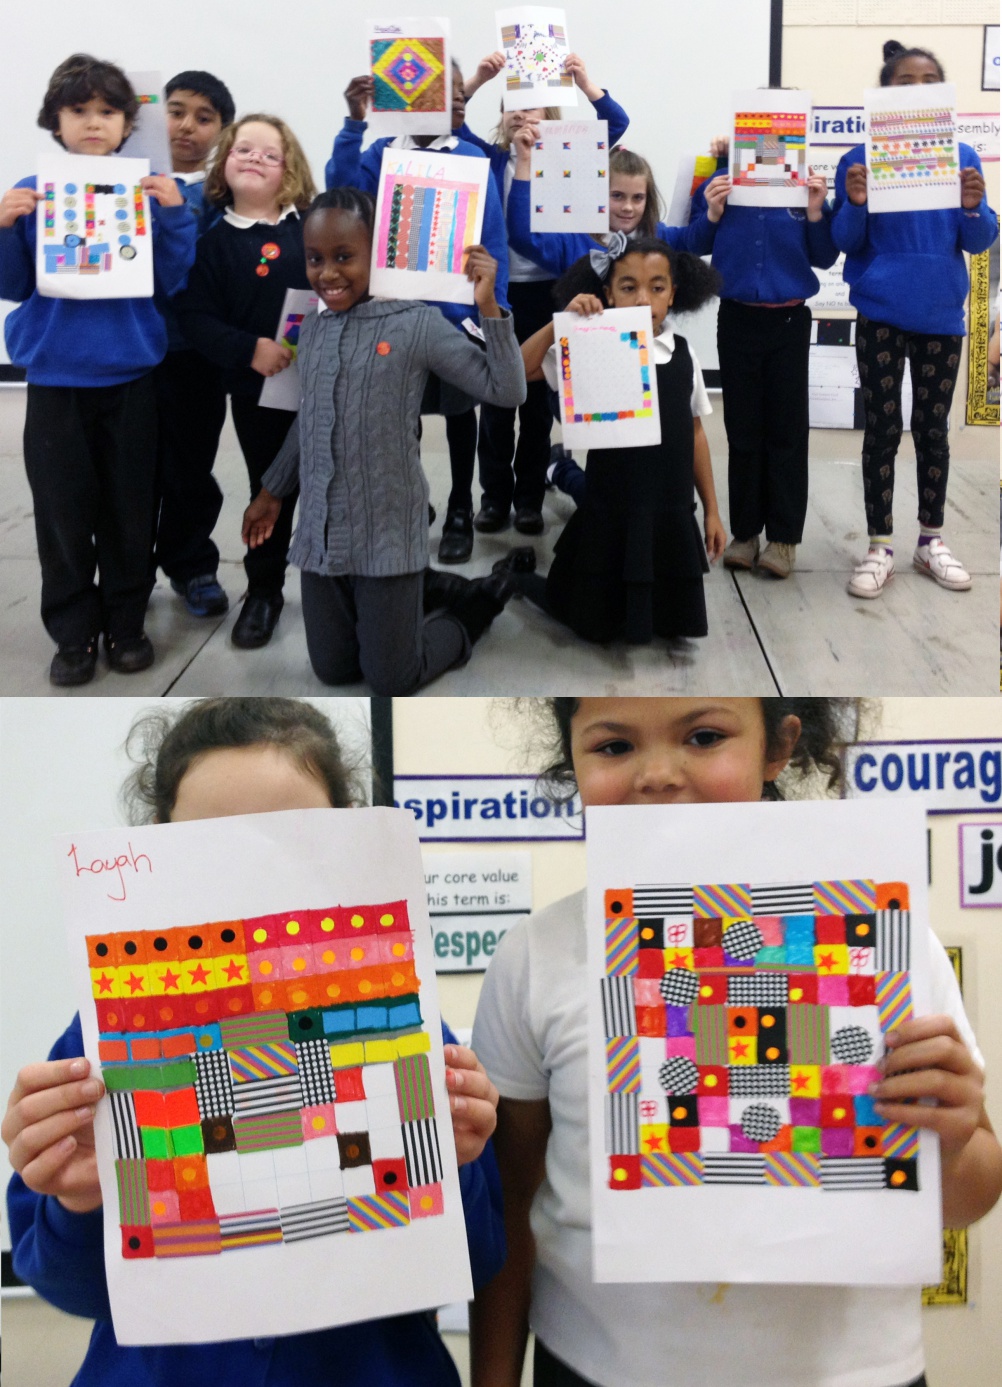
(894, 52)
(695, 281)
(81, 77)
(345, 199)
(827, 727)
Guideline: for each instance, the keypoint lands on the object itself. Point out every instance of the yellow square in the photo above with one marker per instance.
(417, 1044)
(805, 1081)
(380, 1051)
(165, 979)
(742, 1049)
(133, 980)
(196, 976)
(831, 958)
(679, 958)
(229, 971)
(104, 983)
(347, 1056)
(653, 1137)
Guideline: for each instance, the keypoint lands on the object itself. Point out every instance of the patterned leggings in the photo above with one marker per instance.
(881, 352)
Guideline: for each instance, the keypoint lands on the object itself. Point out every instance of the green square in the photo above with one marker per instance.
(127, 1077)
(775, 953)
(807, 1140)
(156, 1143)
(187, 1141)
(307, 1024)
(177, 1073)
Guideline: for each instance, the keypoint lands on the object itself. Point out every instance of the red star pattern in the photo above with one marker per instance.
(134, 984)
(200, 974)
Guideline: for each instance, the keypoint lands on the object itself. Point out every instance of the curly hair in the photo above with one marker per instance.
(895, 52)
(297, 185)
(827, 727)
(79, 79)
(164, 745)
(695, 281)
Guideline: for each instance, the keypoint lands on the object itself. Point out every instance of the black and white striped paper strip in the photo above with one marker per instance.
(893, 931)
(724, 1168)
(622, 1134)
(852, 1173)
(618, 1011)
(267, 1096)
(128, 1146)
(667, 902)
(421, 1151)
(795, 899)
(315, 1220)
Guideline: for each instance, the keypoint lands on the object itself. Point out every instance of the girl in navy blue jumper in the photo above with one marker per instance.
(908, 283)
(766, 256)
(510, 474)
(230, 313)
(348, 166)
(90, 427)
(219, 757)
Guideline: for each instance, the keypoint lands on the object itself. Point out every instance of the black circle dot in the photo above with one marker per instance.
(617, 906)
(228, 936)
(306, 1023)
(870, 1141)
(160, 943)
(194, 941)
(390, 1178)
(134, 1243)
(101, 950)
(740, 1022)
(131, 947)
(894, 903)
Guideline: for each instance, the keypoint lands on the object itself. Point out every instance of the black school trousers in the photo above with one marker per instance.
(763, 355)
(191, 401)
(261, 433)
(90, 456)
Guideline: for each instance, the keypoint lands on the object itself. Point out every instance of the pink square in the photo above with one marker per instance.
(805, 1112)
(835, 1078)
(362, 952)
(425, 1201)
(833, 990)
(318, 1122)
(859, 1077)
(164, 1207)
(837, 1141)
(739, 1142)
(713, 1112)
(265, 965)
(770, 927)
(396, 947)
(681, 1045)
(297, 961)
(647, 992)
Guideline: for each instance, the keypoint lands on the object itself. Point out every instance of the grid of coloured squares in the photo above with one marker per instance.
(910, 145)
(427, 223)
(743, 1030)
(91, 252)
(634, 342)
(268, 1079)
(770, 148)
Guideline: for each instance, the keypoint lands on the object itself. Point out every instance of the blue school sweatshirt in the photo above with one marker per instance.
(605, 109)
(206, 214)
(556, 251)
(766, 254)
(907, 268)
(61, 1255)
(348, 166)
(91, 342)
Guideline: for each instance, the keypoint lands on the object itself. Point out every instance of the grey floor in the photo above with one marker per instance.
(803, 636)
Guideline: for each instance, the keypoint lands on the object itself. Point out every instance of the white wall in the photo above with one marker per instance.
(672, 66)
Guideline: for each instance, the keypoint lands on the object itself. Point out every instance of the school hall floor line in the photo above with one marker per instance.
(804, 635)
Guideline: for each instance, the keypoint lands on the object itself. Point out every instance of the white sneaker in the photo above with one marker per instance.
(870, 576)
(935, 559)
(741, 553)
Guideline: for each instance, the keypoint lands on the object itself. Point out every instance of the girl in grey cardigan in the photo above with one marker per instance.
(362, 536)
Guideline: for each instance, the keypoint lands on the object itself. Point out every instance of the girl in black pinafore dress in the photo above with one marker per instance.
(629, 565)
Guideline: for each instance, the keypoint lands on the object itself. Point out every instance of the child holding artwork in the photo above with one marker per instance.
(191, 393)
(908, 284)
(349, 166)
(630, 562)
(531, 1034)
(371, 610)
(216, 758)
(90, 427)
(767, 257)
(230, 312)
(513, 475)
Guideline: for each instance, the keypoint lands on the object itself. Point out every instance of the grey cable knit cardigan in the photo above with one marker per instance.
(363, 497)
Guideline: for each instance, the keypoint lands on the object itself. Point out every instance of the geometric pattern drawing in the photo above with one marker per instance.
(569, 177)
(756, 1045)
(93, 227)
(910, 146)
(426, 223)
(770, 149)
(534, 56)
(893, 928)
(241, 1107)
(408, 74)
(628, 382)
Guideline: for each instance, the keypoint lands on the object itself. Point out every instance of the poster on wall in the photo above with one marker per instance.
(535, 46)
(259, 996)
(983, 356)
(744, 969)
(990, 64)
(94, 233)
(912, 159)
(410, 62)
(569, 177)
(769, 149)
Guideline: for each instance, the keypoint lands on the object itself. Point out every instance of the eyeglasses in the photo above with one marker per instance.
(267, 156)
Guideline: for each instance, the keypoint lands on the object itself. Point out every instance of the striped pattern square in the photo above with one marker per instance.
(125, 1129)
(213, 1085)
(665, 1169)
(621, 945)
(267, 1133)
(374, 1211)
(267, 1096)
(795, 899)
(807, 1034)
(894, 999)
(759, 1080)
(187, 1239)
(251, 1229)
(727, 1168)
(316, 1076)
(668, 902)
(758, 990)
(722, 902)
(414, 1094)
(133, 1193)
(893, 941)
(622, 1132)
(622, 1065)
(421, 1151)
(845, 897)
(258, 1028)
(853, 1173)
(315, 1220)
(263, 1062)
(900, 1143)
(711, 1034)
(791, 1168)
(618, 1011)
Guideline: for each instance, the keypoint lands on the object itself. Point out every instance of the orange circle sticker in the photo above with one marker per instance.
(383, 348)
(270, 251)
(262, 270)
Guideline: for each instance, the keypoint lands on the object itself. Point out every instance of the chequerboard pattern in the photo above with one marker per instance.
(268, 1078)
(743, 1029)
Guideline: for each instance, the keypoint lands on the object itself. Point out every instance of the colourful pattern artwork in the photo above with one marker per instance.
(570, 177)
(84, 241)
(268, 1078)
(409, 74)
(770, 149)
(743, 1029)
(425, 223)
(535, 56)
(636, 375)
(913, 146)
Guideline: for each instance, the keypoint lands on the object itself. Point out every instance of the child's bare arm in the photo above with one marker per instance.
(534, 349)
(702, 469)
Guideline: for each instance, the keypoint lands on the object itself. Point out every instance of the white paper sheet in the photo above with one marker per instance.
(429, 206)
(693, 171)
(912, 159)
(94, 231)
(769, 157)
(608, 386)
(832, 366)
(831, 406)
(833, 291)
(569, 178)
(410, 62)
(302, 879)
(535, 44)
(282, 391)
(666, 881)
(149, 139)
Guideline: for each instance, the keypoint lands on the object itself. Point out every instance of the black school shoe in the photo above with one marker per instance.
(442, 590)
(483, 600)
(73, 664)
(129, 654)
(519, 560)
(491, 518)
(256, 623)
(456, 544)
(528, 521)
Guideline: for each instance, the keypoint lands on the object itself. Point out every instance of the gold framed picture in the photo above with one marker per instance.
(982, 373)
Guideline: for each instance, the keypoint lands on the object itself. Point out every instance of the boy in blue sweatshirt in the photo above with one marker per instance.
(90, 427)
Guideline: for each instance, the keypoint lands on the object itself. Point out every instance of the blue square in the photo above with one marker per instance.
(373, 1017)
(866, 1113)
(798, 929)
(340, 1022)
(800, 955)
